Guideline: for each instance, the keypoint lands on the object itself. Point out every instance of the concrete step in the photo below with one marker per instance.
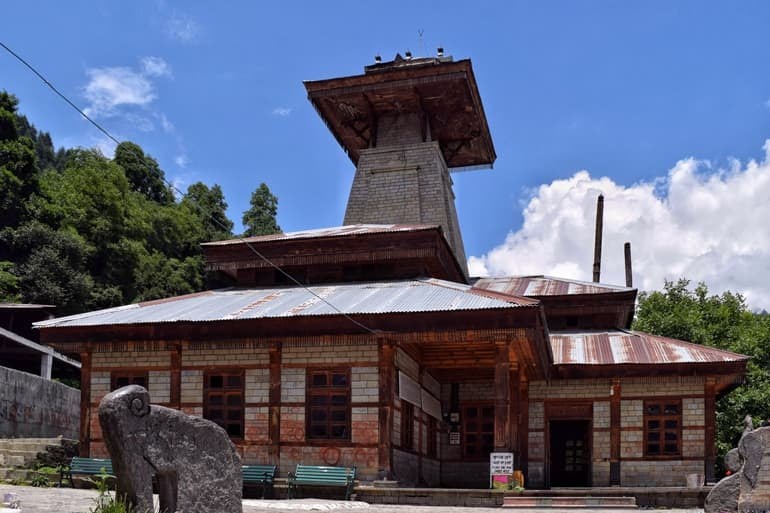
(10, 459)
(20, 474)
(564, 502)
(27, 444)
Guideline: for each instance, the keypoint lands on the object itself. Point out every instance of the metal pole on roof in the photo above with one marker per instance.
(629, 275)
(598, 238)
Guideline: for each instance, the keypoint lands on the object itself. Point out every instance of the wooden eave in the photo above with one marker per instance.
(734, 371)
(620, 303)
(456, 332)
(427, 247)
(445, 91)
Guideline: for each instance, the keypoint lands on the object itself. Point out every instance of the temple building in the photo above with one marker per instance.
(368, 344)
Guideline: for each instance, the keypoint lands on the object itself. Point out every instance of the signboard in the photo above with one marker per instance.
(431, 405)
(501, 463)
(409, 390)
(454, 438)
(501, 470)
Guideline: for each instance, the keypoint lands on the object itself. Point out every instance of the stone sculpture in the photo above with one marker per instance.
(196, 465)
(747, 490)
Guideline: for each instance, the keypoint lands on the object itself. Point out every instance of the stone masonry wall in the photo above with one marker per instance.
(31, 406)
(636, 469)
(405, 183)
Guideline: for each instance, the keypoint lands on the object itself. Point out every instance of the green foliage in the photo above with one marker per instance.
(9, 283)
(260, 218)
(82, 231)
(209, 206)
(143, 173)
(18, 166)
(725, 322)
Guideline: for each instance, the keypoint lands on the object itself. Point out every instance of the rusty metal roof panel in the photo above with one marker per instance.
(545, 286)
(422, 295)
(613, 347)
(336, 231)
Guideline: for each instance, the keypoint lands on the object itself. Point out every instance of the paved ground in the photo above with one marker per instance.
(68, 500)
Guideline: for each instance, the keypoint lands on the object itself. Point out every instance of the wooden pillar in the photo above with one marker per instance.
(274, 407)
(710, 449)
(85, 404)
(176, 376)
(421, 419)
(387, 353)
(502, 399)
(523, 425)
(615, 432)
(513, 380)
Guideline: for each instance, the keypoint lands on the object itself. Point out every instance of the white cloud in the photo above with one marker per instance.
(167, 125)
(705, 224)
(183, 28)
(182, 160)
(112, 88)
(109, 88)
(282, 111)
(155, 67)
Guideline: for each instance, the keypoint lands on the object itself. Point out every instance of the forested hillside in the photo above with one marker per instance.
(82, 231)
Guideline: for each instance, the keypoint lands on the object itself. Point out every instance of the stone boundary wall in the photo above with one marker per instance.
(31, 406)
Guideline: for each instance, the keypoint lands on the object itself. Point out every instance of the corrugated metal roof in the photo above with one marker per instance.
(545, 286)
(337, 231)
(613, 347)
(424, 295)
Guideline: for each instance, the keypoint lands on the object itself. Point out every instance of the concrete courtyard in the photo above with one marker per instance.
(68, 500)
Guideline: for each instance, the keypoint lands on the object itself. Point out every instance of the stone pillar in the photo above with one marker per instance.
(387, 353)
(46, 363)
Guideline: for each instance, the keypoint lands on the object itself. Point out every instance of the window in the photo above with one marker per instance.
(662, 427)
(478, 431)
(328, 399)
(407, 426)
(432, 433)
(223, 400)
(123, 379)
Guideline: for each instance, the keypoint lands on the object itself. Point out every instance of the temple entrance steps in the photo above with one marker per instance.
(564, 502)
(18, 455)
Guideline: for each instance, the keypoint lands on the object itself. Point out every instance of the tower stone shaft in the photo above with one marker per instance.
(406, 124)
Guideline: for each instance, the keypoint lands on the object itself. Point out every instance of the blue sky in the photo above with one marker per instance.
(653, 100)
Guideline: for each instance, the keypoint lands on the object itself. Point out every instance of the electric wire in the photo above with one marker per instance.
(182, 195)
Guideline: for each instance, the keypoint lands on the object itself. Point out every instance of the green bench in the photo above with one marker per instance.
(313, 475)
(263, 475)
(87, 467)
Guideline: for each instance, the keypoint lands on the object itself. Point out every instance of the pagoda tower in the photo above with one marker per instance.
(406, 125)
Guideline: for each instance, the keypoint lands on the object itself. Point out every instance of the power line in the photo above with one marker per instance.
(182, 194)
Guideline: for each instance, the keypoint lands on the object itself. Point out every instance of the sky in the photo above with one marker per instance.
(664, 107)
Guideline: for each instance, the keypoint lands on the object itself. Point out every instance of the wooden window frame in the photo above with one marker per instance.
(226, 390)
(479, 432)
(661, 431)
(328, 390)
(432, 444)
(131, 376)
(407, 426)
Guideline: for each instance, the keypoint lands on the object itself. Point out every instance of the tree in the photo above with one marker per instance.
(209, 205)
(143, 173)
(260, 218)
(18, 167)
(722, 321)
